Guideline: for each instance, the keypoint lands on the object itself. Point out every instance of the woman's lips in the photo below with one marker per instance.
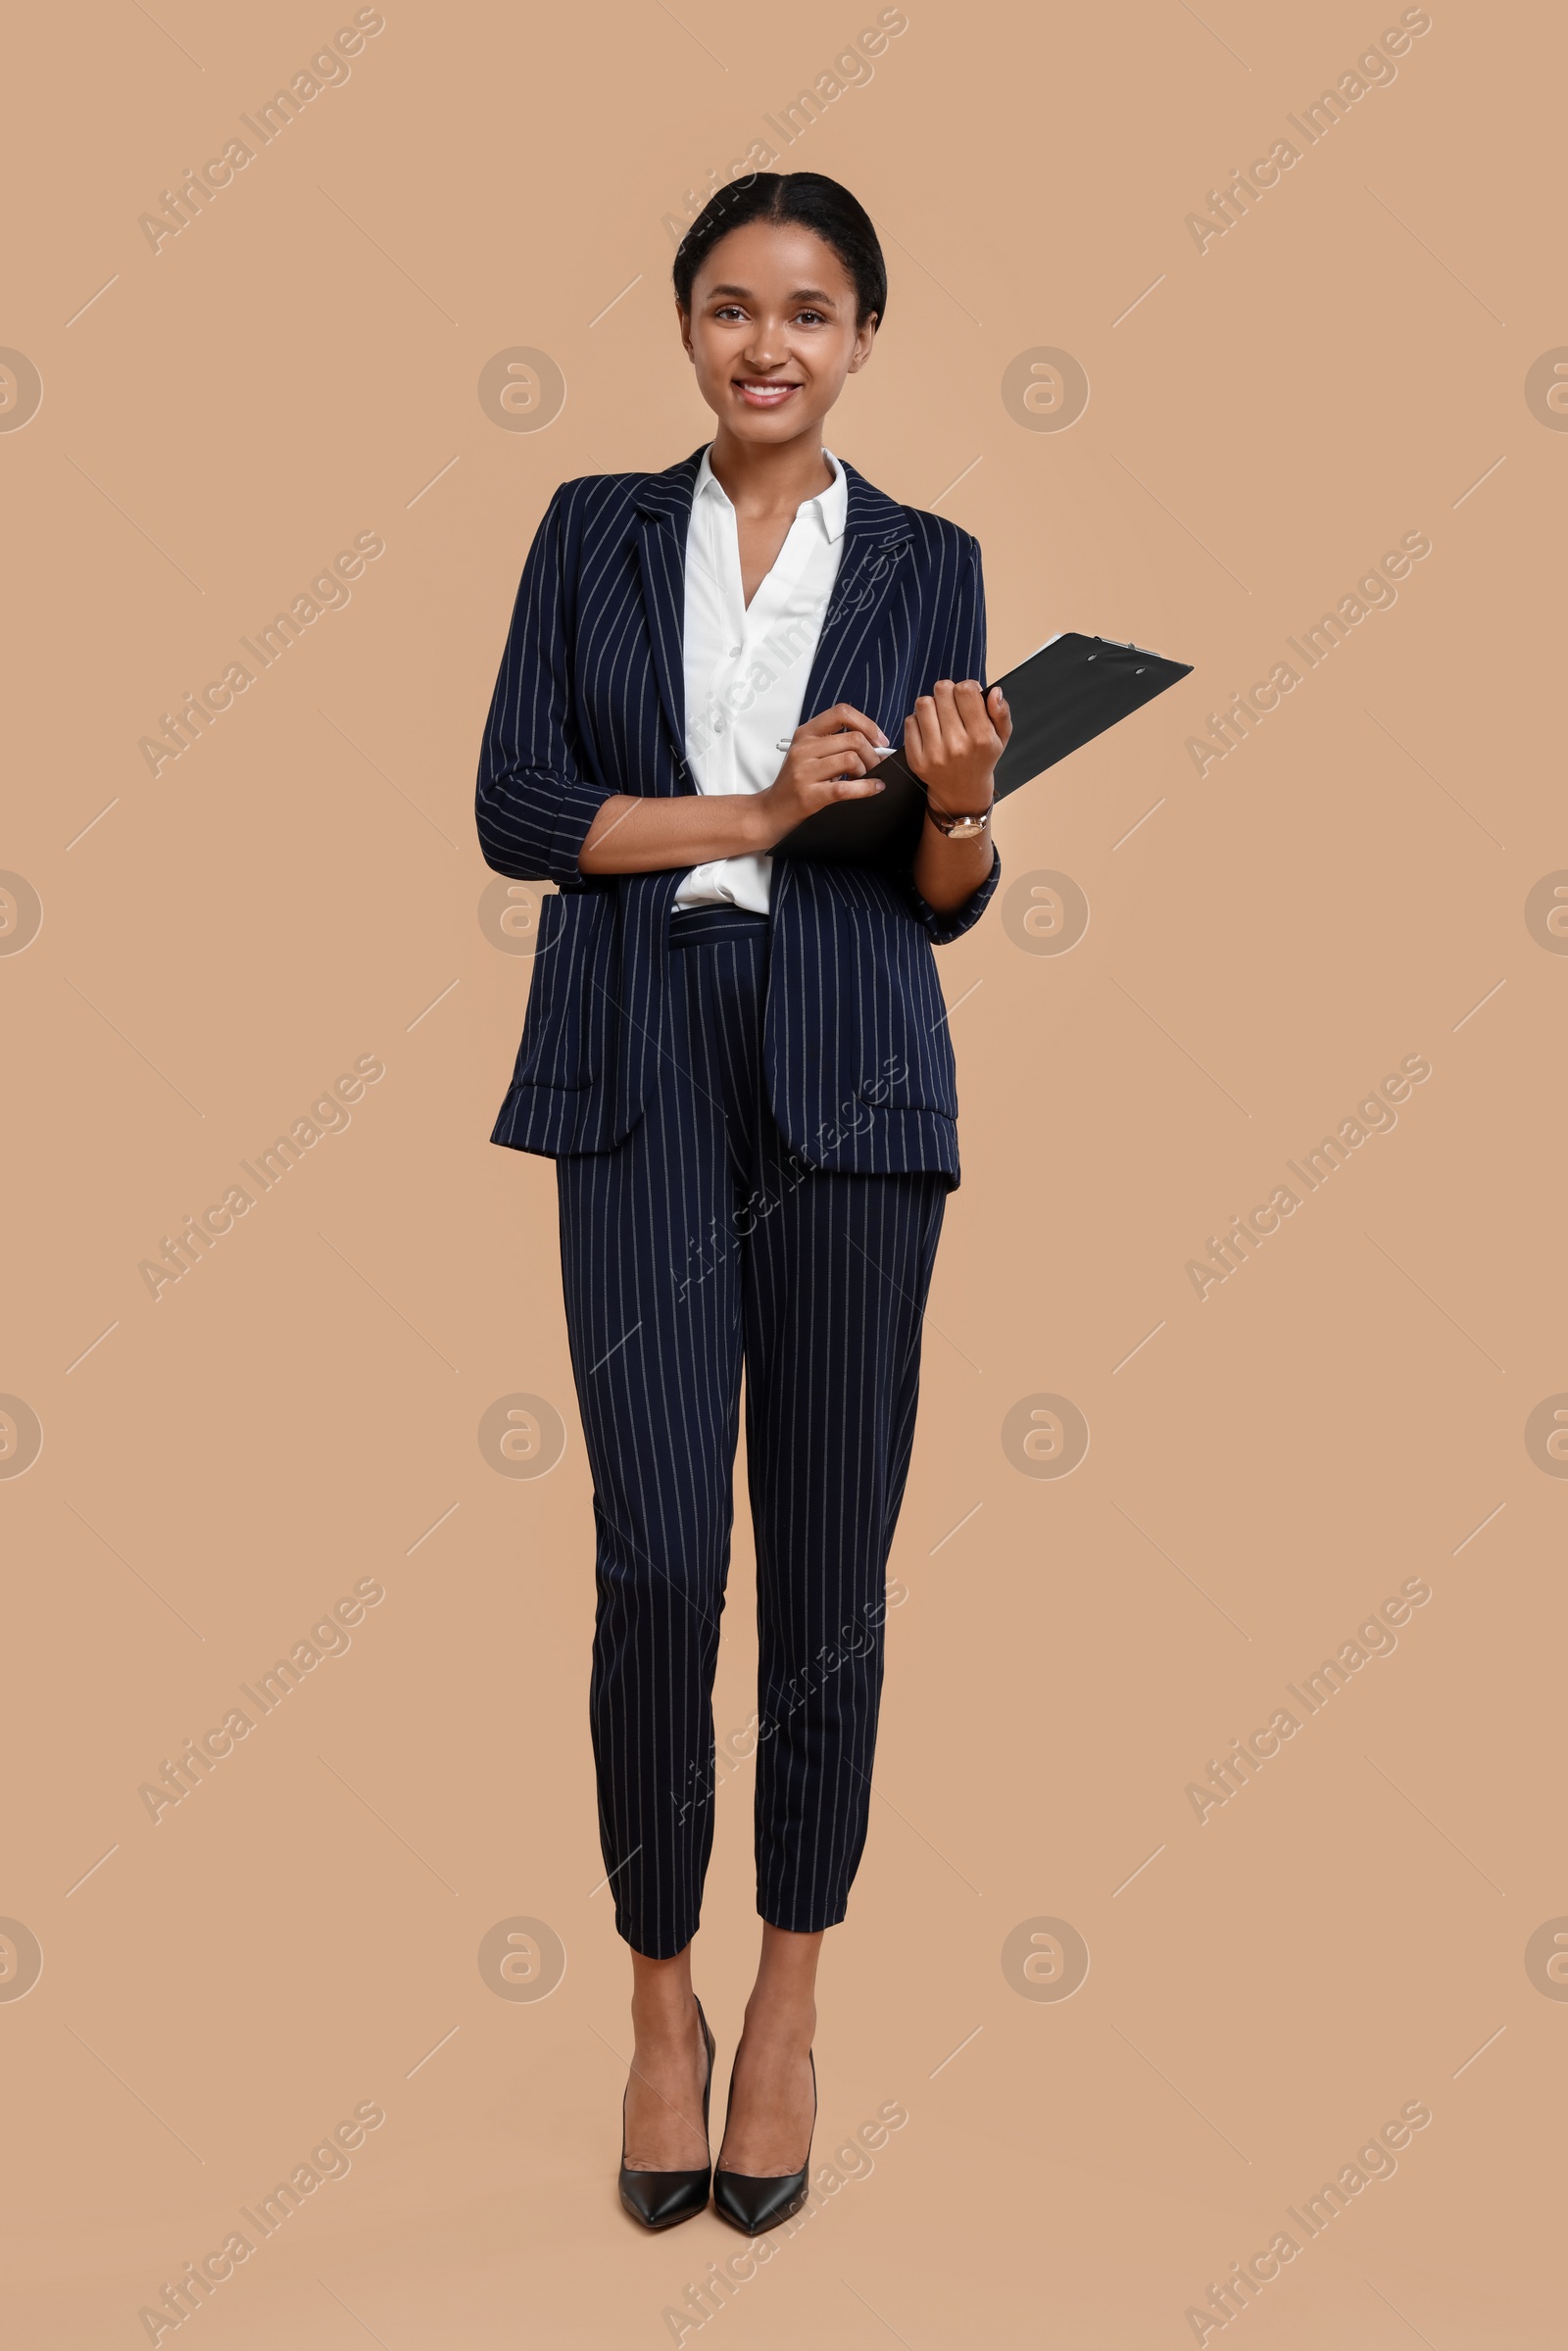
(763, 395)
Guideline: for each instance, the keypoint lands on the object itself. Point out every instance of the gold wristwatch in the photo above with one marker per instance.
(959, 827)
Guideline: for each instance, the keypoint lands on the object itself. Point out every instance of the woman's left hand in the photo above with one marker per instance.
(953, 741)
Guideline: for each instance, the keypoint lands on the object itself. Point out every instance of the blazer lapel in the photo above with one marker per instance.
(876, 534)
(664, 517)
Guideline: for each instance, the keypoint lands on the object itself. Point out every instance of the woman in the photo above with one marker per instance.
(741, 1066)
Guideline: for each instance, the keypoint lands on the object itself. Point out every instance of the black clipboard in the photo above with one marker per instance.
(1060, 698)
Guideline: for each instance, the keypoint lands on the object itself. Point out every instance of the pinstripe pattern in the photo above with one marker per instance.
(700, 1243)
(753, 1119)
(590, 702)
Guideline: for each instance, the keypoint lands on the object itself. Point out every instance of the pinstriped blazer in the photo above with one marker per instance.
(590, 702)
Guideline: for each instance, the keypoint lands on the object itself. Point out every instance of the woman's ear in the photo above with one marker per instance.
(865, 339)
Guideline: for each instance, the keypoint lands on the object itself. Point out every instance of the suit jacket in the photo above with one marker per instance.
(590, 702)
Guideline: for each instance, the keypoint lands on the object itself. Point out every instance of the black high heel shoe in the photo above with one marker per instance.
(758, 2205)
(661, 2199)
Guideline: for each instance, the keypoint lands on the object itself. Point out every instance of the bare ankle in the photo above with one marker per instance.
(663, 2017)
(788, 2024)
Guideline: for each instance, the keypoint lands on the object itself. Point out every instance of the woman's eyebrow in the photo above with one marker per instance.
(801, 294)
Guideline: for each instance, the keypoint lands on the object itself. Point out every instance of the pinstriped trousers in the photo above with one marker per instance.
(699, 1247)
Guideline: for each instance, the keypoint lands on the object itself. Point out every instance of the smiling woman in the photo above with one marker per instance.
(780, 286)
(752, 1049)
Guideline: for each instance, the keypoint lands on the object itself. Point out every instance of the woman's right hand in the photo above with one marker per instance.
(832, 756)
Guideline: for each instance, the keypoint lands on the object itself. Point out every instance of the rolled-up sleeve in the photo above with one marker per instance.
(962, 656)
(534, 806)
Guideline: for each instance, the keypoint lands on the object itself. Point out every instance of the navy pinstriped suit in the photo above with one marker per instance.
(752, 1120)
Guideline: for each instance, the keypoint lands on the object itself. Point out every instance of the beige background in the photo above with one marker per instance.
(1345, 364)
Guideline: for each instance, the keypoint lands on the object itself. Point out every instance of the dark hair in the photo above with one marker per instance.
(805, 199)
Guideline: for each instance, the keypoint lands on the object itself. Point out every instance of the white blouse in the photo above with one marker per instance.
(747, 665)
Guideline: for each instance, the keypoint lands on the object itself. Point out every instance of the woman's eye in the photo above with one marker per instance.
(812, 318)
